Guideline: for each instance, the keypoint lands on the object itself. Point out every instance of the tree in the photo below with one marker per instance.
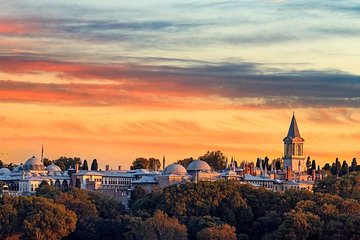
(266, 162)
(85, 165)
(313, 165)
(162, 227)
(138, 193)
(215, 159)
(94, 165)
(46, 162)
(353, 165)
(278, 165)
(47, 191)
(258, 162)
(327, 167)
(224, 232)
(344, 168)
(140, 163)
(66, 162)
(36, 218)
(185, 162)
(154, 164)
(196, 224)
(1, 164)
(308, 164)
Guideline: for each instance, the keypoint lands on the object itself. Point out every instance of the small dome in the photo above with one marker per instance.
(176, 169)
(199, 165)
(33, 164)
(4, 171)
(53, 167)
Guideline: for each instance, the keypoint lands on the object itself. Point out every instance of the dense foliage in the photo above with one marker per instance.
(255, 213)
(206, 210)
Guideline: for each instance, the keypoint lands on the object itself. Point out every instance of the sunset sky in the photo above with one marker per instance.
(116, 80)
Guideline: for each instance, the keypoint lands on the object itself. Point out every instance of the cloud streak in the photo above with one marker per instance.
(118, 84)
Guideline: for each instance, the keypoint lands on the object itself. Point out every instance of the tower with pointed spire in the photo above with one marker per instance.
(294, 148)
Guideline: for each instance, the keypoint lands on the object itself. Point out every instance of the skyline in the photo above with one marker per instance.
(118, 80)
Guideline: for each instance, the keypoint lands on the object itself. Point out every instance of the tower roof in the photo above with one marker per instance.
(294, 129)
(293, 133)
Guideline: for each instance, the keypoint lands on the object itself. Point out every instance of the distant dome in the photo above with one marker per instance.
(53, 168)
(199, 165)
(176, 169)
(33, 164)
(4, 171)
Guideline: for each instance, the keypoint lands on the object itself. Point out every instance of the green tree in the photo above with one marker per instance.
(94, 165)
(66, 162)
(36, 218)
(308, 164)
(196, 224)
(224, 232)
(258, 162)
(327, 167)
(140, 163)
(85, 165)
(162, 227)
(185, 162)
(353, 165)
(47, 191)
(46, 162)
(215, 159)
(154, 164)
(313, 165)
(344, 168)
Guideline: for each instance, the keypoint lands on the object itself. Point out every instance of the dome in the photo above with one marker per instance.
(199, 165)
(53, 168)
(33, 164)
(176, 169)
(4, 171)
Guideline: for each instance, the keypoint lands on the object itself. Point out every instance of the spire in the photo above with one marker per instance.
(293, 130)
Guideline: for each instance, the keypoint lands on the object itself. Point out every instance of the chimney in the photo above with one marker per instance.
(77, 167)
(288, 174)
(107, 167)
(164, 162)
(313, 175)
(275, 174)
(119, 168)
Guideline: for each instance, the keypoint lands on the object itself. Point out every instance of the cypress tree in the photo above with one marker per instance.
(94, 165)
(85, 165)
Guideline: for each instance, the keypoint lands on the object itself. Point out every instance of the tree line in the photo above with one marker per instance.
(203, 210)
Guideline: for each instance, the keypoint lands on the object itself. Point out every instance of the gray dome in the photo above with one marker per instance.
(33, 164)
(4, 171)
(199, 165)
(176, 169)
(53, 168)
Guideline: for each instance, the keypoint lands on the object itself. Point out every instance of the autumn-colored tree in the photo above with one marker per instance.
(223, 232)
(162, 227)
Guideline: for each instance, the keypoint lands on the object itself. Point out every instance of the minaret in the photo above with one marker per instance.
(42, 153)
(293, 148)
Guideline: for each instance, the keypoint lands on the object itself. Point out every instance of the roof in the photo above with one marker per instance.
(249, 177)
(199, 165)
(145, 180)
(176, 169)
(293, 132)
